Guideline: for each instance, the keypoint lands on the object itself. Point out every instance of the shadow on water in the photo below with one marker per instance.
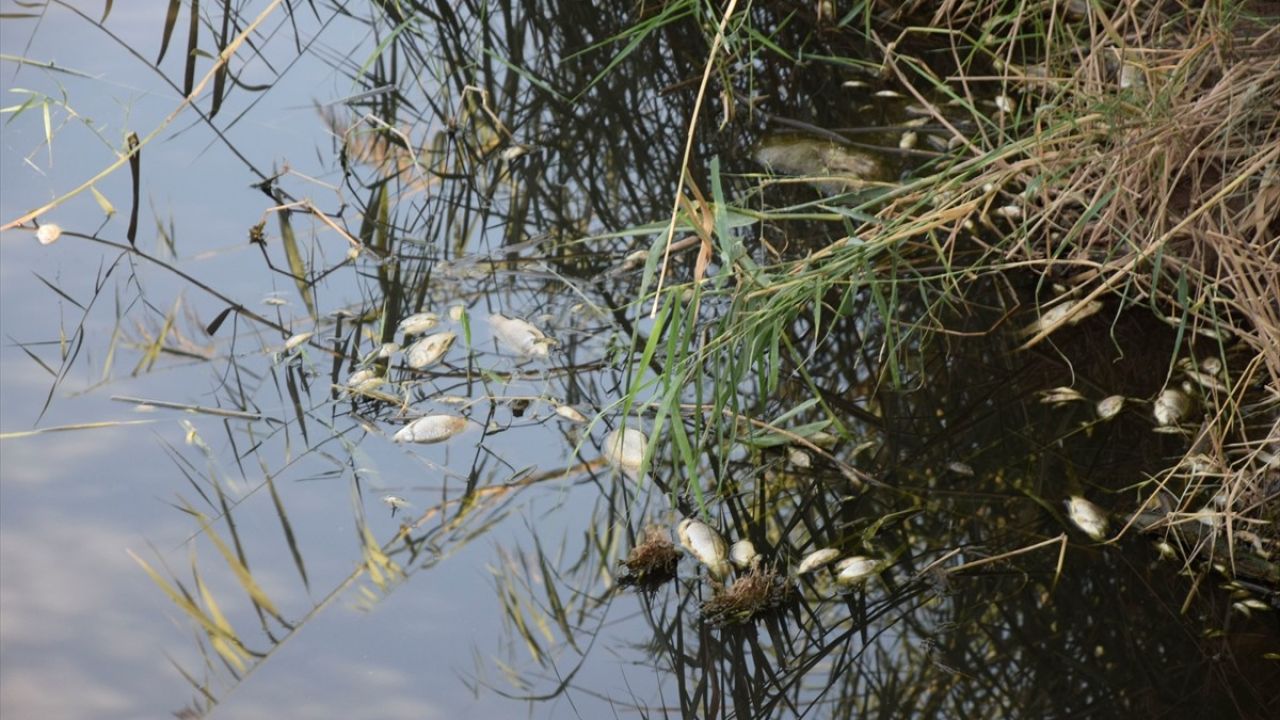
(469, 180)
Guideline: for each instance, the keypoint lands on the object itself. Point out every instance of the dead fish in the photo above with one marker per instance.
(1088, 517)
(1060, 396)
(1171, 407)
(1109, 407)
(624, 448)
(395, 502)
(1008, 212)
(1004, 103)
(799, 458)
(908, 140)
(520, 336)
(429, 350)
(366, 379)
(960, 468)
(515, 151)
(48, 234)
(418, 323)
(457, 312)
(855, 570)
(888, 94)
(1055, 316)
(569, 413)
(386, 350)
(431, 429)
(817, 559)
(293, 342)
(743, 554)
(705, 544)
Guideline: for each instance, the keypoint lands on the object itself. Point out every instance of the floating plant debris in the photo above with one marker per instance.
(395, 502)
(431, 429)
(653, 561)
(759, 591)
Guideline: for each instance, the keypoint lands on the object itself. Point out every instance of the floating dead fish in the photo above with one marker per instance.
(1109, 407)
(960, 468)
(431, 429)
(520, 336)
(855, 570)
(1059, 396)
(293, 342)
(457, 312)
(853, 84)
(833, 168)
(625, 448)
(888, 94)
(1004, 103)
(1008, 212)
(1088, 517)
(48, 234)
(395, 502)
(1211, 365)
(418, 323)
(366, 379)
(908, 140)
(743, 554)
(817, 559)
(429, 350)
(569, 413)
(453, 400)
(1171, 407)
(386, 350)
(514, 152)
(1206, 380)
(799, 458)
(705, 544)
(1056, 316)
(274, 300)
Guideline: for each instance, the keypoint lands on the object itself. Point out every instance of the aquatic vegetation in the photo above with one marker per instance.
(653, 560)
(759, 591)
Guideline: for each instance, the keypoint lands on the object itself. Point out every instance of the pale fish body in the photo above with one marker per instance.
(624, 448)
(431, 429)
(1171, 407)
(418, 323)
(366, 379)
(743, 554)
(570, 413)
(817, 559)
(1109, 407)
(856, 569)
(429, 350)
(520, 336)
(705, 544)
(1088, 517)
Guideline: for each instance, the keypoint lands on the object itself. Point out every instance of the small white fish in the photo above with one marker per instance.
(274, 300)
(855, 570)
(395, 502)
(1171, 407)
(1009, 212)
(888, 94)
(743, 554)
(625, 448)
(520, 336)
(568, 412)
(366, 379)
(293, 342)
(908, 140)
(1109, 407)
(1088, 517)
(1055, 316)
(853, 84)
(1004, 103)
(418, 323)
(429, 350)
(457, 312)
(799, 458)
(48, 234)
(817, 559)
(705, 544)
(386, 350)
(515, 151)
(960, 468)
(431, 429)
(1060, 396)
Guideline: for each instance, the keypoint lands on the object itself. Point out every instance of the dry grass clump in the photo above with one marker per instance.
(1135, 159)
(653, 560)
(759, 591)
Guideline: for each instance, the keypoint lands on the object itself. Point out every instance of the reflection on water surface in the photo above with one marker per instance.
(422, 426)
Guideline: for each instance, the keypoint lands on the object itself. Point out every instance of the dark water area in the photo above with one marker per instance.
(243, 536)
